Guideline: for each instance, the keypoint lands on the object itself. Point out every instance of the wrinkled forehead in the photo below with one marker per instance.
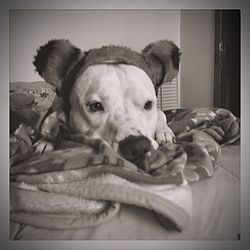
(122, 77)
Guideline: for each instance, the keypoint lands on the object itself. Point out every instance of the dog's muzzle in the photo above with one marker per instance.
(133, 148)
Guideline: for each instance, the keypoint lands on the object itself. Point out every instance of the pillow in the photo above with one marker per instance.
(35, 95)
(29, 102)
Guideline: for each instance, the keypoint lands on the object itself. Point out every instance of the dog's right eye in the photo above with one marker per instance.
(95, 107)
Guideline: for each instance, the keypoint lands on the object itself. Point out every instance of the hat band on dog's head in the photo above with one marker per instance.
(60, 63)
(104, 55)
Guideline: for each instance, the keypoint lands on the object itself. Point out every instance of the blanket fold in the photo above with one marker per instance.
(84, 181)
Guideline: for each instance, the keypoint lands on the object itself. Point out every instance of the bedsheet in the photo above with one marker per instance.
(187, 190)
(216, 206)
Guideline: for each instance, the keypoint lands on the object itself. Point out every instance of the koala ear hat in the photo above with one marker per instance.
(55, 60)
(60, 63)
(163, 58)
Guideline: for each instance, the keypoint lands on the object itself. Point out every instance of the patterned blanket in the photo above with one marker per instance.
(83, 182)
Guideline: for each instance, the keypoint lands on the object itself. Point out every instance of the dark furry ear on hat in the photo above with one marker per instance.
(55, 60)
(163, 59)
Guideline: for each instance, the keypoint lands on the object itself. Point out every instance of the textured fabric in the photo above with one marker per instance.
(88, 169)
(216, 215)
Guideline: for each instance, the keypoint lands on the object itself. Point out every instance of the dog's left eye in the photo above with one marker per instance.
(95, 107)
(148, 105)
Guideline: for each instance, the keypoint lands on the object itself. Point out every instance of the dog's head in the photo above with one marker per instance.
(110, 92)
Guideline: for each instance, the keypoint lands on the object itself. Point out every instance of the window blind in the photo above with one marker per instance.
(168, 95)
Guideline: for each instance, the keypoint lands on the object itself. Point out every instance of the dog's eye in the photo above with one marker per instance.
(95, 107)
(148, 105)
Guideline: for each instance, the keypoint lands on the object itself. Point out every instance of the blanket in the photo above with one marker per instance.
(84, 182)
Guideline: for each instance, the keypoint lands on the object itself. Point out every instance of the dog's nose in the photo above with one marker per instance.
(133, 148)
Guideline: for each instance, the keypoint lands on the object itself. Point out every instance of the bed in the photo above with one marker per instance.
(85, 191)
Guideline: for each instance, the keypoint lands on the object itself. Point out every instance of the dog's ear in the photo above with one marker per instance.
(54, 61)
(163, 58)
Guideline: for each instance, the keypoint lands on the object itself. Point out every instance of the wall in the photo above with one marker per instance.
(87, 29)
(197, 63)
(193, 30)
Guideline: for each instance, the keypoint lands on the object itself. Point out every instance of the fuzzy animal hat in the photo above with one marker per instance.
(60, 63)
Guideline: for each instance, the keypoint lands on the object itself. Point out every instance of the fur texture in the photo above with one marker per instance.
(60, 63)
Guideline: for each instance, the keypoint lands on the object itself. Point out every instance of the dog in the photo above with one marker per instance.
(108, 93)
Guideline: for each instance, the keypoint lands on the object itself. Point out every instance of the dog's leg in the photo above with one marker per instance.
(50, 130)
(163, 133)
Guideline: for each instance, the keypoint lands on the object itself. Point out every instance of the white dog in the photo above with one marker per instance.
(109, 93)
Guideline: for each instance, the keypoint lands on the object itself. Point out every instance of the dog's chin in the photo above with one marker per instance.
(154, 144)
(112, 144)
(115, 146)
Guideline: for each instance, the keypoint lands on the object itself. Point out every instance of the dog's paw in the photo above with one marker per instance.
(164, 134)
(154, 144)
(42, 146)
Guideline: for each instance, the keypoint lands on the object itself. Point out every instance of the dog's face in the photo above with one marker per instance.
(110, 92)
(113, 102)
